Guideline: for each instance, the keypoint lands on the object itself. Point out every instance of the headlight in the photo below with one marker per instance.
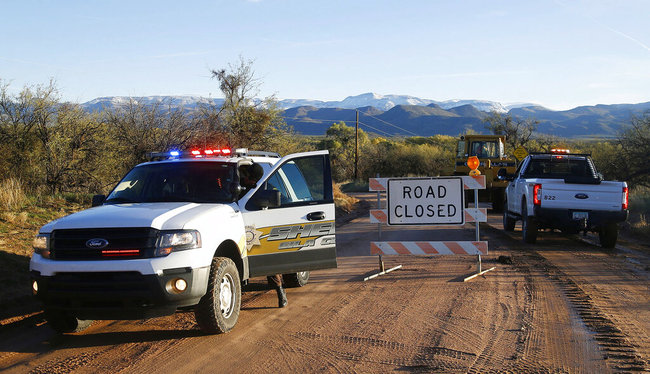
(41, 245)
(180, 240)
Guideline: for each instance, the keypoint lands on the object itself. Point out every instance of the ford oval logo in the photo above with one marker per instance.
(582, 196)
(97, 243)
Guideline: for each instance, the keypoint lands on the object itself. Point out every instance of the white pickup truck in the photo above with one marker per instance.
(186, 231)
(563, 191)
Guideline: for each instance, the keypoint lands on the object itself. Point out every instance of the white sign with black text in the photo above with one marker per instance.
(426, 201)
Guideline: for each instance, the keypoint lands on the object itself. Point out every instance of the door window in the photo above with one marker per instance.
(301, 181)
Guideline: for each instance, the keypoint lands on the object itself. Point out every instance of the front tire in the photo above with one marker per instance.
(528, 225)
(65, 323)
(296, 279)
(608, 235)
(218, 310)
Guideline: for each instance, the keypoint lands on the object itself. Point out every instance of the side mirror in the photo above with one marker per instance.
(267, 199)
(503, 175)
(98, 200)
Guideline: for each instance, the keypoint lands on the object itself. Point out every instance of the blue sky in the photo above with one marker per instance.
(560, 54)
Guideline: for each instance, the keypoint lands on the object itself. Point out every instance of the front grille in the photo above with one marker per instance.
(123, 243)
(101, 290)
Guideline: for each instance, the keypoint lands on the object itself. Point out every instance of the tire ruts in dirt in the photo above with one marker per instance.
(620, 354)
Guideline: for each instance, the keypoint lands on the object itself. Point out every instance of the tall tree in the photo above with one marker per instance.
(340, 142)
(21, 116)
(243, 120)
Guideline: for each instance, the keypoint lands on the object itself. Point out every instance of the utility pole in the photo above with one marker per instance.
(356, 149)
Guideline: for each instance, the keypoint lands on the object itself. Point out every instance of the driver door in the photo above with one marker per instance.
(298, 235)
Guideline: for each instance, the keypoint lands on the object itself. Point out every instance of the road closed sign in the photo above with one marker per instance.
(425, 201)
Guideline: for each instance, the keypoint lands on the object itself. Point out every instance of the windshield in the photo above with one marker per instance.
(559, 167)
(484, 149)
(198, 182)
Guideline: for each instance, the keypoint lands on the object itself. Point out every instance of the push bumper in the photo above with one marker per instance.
(120, 295)
(563, 219)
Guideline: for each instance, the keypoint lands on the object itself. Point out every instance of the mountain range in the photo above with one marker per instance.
(403, 115)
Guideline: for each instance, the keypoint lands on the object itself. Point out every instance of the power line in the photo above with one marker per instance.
(376, 129)
(390, 124)
(368, 115)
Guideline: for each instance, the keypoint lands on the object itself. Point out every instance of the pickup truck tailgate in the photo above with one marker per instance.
(606, 196)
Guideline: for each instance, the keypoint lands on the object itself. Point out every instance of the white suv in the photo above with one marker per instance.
(186, 231)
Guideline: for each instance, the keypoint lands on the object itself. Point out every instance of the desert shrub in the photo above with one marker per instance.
(12, 195)
(342, 201)
(640, 210)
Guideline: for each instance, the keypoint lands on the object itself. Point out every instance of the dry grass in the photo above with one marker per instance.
(342, 201)
(640, 211)
(16, 219)
(12, 195)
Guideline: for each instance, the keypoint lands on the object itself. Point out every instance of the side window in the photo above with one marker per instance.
(521, 167)
(461, 149)
(275, 183)
(302, 181)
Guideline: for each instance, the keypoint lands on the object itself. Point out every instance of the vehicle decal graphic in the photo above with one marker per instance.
(289, 237)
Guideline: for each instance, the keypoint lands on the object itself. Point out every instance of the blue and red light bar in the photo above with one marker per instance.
(203, 153)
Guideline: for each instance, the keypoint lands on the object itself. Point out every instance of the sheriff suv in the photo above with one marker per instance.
(186, 231)
(560, 190)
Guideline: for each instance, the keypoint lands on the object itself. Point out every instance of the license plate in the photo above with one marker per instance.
(580, 215)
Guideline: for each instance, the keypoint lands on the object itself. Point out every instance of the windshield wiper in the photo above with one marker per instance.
(120, 200)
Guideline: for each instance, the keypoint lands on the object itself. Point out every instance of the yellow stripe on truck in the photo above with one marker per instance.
(284, 238)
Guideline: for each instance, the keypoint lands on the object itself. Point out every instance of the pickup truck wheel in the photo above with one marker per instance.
(608, 235)
(508, 220)
(296, 279)
(528, 226)
(65, 323)
(218, 310)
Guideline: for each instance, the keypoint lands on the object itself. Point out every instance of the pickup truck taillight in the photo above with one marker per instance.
(625, 198)
(537, 194)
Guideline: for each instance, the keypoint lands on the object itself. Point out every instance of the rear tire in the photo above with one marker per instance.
(508, 221)
(218, 310)
(65, 323)
(528, 225)
(608, 235)
(295, 279)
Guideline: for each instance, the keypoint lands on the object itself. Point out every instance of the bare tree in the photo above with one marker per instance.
(243, 120)
(140, 129)
(21, 116)
(518, 131)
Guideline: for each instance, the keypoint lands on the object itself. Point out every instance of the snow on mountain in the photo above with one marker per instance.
(518, 105)
(386, 102)
(120, 101)
(382, 102)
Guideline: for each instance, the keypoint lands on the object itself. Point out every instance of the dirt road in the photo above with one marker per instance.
(563, 305)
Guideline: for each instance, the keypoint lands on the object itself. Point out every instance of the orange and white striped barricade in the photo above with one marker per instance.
(381, 217)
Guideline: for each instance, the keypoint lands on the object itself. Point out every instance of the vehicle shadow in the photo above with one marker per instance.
(43, 339)
(119, 337)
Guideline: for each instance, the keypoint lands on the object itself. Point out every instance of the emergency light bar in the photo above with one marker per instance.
(210, 152)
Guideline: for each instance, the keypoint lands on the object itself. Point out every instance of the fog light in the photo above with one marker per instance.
(176, 285)
(180, 285)
(34, 287)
